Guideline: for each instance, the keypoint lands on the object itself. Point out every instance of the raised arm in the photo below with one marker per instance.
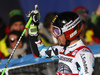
(33, 30)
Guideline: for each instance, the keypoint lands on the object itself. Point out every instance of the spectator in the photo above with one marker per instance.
(95, 17)
(83, 13)
(3, 48)
(17, 21)
(94, 28)
(47, 24)
(12, 39)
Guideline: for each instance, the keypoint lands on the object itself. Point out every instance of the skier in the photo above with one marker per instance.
(74, 58)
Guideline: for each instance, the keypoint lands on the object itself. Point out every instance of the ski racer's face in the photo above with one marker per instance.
(61, 40)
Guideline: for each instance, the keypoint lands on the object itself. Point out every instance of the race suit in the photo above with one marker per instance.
(76, 59)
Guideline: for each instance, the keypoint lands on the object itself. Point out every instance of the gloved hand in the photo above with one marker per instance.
(35, 14)
(33, 28)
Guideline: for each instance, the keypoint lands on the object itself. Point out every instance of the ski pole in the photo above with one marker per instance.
(27, 26)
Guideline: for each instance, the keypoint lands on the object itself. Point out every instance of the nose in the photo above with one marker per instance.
(19, 28)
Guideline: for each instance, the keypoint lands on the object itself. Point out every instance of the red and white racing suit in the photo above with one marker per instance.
(76, 59)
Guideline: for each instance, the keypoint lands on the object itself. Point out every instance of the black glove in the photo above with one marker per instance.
(35, 14)
(33, 28)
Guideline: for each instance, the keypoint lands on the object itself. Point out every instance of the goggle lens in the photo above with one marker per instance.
(56, 31)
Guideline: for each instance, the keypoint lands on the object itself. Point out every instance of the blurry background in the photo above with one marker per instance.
(45, 6)
(32, 65)
(6, 6)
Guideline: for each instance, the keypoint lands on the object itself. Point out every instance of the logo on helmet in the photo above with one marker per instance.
(54, 18)
(74, 33)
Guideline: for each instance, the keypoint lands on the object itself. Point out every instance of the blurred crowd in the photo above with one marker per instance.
(10, 33)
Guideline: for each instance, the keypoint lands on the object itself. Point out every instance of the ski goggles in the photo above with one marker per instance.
(57, 31)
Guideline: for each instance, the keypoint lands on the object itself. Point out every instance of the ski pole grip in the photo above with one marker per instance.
(28, 23)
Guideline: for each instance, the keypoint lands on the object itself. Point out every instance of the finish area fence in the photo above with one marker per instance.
(46, 68)
(29, 65)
